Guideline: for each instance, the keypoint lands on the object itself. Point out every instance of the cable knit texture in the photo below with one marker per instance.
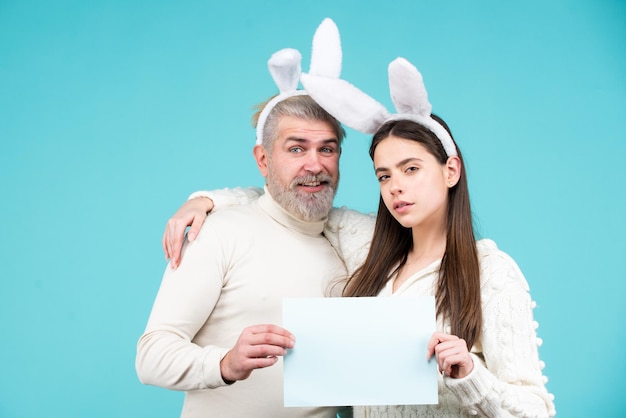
(506, 380)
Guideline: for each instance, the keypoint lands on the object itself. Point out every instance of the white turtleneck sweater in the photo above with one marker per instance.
(235, 274)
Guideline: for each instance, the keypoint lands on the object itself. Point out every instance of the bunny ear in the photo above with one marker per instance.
(341, 99)
(345, 102)
(326, 54)
(408, 92)
(409, 95)
(285, 68)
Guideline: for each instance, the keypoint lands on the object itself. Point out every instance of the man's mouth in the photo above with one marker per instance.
(313, 187)
(312, 183)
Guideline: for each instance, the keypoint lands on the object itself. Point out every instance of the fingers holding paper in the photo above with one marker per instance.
(451, 353)
(258, 346)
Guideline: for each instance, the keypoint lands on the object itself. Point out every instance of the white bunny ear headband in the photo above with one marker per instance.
(285, 68)
(359, 111)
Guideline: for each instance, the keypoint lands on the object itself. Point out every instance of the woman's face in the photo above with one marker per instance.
(413, 184)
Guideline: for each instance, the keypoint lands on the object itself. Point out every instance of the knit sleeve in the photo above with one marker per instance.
(223, 198)
(507, 379)
(350, 233)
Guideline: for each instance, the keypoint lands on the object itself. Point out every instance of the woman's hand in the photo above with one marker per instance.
(453, 358)
(192, 213)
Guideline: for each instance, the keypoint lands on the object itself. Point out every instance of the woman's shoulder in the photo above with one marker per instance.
(486, 246)
(497, 268)
(488, 250)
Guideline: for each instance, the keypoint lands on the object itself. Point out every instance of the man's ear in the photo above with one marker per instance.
(453, 170)
(261, 157)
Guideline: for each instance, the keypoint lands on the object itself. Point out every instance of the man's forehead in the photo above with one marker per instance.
(293, 127)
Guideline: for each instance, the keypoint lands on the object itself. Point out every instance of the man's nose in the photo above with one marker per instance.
(313, 163)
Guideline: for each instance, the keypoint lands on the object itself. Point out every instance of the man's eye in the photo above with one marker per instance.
(295, 149)
(328, 150)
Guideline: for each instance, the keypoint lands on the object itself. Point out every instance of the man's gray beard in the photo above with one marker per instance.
(309, 207)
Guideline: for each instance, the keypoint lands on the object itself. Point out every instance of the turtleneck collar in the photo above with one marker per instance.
(280, 215)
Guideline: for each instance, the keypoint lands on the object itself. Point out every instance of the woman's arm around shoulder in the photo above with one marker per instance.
(350, 233)
(193, 213)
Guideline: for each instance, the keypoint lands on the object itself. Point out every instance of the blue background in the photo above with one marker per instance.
(112, 112)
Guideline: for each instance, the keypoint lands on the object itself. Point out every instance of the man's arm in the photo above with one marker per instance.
(193, 213)
(167, 354)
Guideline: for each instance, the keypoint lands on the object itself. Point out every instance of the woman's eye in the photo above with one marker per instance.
(383, 177)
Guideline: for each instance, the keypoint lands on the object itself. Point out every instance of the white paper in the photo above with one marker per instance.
(360, 351)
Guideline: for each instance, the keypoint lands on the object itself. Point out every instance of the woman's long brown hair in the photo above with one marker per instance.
(457, 292)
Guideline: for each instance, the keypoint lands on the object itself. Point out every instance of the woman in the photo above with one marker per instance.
(424, 244)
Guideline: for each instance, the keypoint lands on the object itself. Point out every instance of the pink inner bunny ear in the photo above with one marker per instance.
(285, 68)
(408, 92)
(326, 55)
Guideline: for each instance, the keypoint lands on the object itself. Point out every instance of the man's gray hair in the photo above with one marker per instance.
(302, 107)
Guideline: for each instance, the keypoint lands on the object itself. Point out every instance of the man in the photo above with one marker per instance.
(212, 331)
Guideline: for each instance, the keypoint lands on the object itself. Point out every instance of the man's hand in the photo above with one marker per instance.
(192, 213)
(258, 346)
(451, 353)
